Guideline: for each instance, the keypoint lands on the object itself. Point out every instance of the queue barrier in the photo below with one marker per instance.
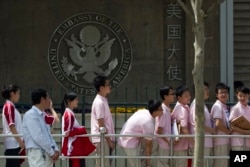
(103, 135)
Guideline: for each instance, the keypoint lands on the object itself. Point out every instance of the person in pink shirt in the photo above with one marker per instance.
(141, 122)
(220, 116)
(208, 143)
(12, 124)
(163, 126)
(102, 117)
(241, 108)
(181, 115)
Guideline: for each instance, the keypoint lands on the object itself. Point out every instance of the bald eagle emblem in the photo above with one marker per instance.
(88, 55)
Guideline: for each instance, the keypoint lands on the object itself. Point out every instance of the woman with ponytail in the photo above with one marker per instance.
(12, 125)
(71, 144)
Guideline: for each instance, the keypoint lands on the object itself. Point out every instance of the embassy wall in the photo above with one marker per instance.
(138, 47)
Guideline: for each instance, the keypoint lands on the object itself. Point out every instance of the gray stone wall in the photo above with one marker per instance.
(28, 25)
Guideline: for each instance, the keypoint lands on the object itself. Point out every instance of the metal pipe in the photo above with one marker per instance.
(102, 131)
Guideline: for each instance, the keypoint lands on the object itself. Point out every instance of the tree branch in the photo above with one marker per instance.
(199, 4)
(187, 11)
(212, 7)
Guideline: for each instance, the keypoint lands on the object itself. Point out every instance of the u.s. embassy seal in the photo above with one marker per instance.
(87, 45)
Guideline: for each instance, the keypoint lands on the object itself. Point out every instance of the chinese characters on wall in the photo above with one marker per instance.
(174, 44)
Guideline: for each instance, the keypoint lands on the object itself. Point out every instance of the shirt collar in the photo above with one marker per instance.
(218, 101)
(184, 105)
(223, 104)
(68, 109)
(165, 108)
(243, 106)
(38, 110)
(149, 114)
(10, 102)
(101, 97)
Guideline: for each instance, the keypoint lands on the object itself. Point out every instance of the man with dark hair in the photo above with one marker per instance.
(141, 122)
(163, 125)
(41, 147)
(240, 109)
(208, 143)
(181, 115)
(220, 116)
(102, 117)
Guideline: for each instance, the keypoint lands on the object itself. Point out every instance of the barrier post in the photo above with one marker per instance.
(102, 131)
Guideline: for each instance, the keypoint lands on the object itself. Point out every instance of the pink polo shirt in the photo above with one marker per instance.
(164, 121)
(100, 109)
(141, 122)
(208, 140)
(219, 111)
(236, 111)
(181, 114)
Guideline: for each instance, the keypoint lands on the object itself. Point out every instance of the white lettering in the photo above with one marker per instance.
(239, 158)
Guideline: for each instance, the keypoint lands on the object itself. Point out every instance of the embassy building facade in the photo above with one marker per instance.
(140, 46)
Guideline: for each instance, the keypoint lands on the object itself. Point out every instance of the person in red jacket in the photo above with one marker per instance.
(71, 144)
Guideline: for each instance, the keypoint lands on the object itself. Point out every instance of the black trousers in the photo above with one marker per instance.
(12, 162)
(82, 162)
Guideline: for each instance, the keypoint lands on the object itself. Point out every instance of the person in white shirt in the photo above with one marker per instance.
(141, 122)
(12, 124)
(41, 148)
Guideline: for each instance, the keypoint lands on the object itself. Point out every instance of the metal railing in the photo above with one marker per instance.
(102, 157)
